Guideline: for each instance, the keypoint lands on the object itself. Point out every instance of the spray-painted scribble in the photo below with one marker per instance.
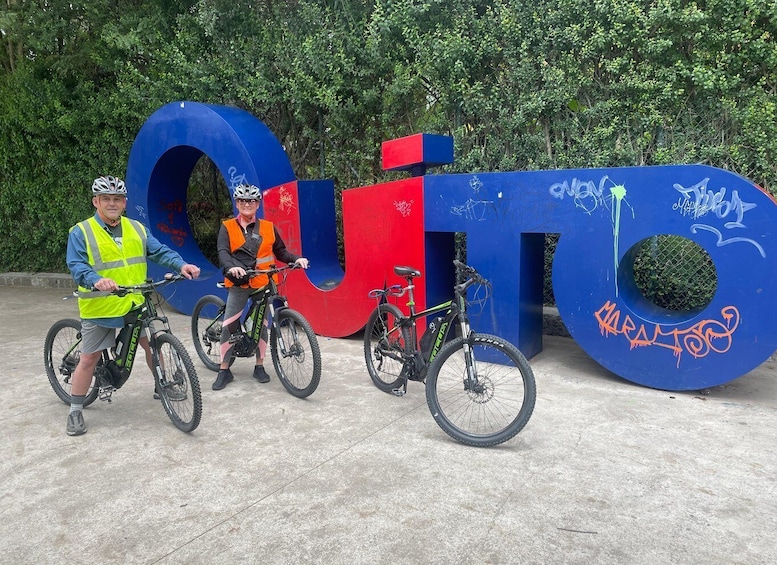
(290, 234)
(472, 209)
(687, 207)
(586, 195)
(699, 340)
(286, 200)
(177, 236)
(721, 242)
(234, 178)
(475, 184)
(700, 201)
(173, 210)
(618, 197)
(404, 207)
(174, 206)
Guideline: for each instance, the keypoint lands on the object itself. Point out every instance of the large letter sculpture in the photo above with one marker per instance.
(161, 161)
(603, 216)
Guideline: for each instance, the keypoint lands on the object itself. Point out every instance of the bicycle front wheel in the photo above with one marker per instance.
(385, 343)
(177, 382)
(495, 405)
(61, 353)
(297, 360)
(207, 318)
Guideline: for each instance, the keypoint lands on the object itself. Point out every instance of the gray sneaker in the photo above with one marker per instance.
(75, 424)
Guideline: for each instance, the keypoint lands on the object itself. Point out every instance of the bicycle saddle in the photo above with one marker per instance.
(407, 271)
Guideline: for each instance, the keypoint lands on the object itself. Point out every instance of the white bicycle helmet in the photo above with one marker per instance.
(109, 185)
(246, 192)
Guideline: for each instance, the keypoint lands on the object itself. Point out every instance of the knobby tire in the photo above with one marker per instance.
(61, 353)
(503, 402)
(385, 345)
(300, 369)
(177, 382)
(207, 318)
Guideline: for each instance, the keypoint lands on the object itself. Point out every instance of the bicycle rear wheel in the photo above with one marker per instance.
(177, 382)
(207, 318)
(61, 353)
(496, 406)
(298, 363)
(385, 343)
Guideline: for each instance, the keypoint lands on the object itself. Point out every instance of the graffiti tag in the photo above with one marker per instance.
(234, 178)
(699, 340)
(585, 194)
(404, 207)
(177, 236)
(700, 201)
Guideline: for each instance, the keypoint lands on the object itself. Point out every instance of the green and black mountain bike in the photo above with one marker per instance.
(479, 387)
(177, 385)
(294, 348)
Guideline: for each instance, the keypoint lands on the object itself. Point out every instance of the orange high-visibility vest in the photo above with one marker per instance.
(264, 255)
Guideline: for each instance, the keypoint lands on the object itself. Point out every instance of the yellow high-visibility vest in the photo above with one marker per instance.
(125, 264)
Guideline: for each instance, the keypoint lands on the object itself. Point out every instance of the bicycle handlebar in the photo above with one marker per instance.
(150, 285)
(272, 270)
(393, 290)
(473, 277)
(142, 287)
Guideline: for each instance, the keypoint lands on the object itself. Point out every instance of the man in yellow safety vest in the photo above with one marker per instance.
(104, 252)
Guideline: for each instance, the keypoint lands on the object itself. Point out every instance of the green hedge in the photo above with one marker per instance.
(544, 84)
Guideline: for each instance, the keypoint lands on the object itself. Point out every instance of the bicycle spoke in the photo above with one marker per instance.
(384, 345)
(295, 353)
(491, 408)
(177, 383)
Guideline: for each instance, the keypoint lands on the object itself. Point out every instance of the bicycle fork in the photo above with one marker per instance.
(158, 362)
(471, 377)
(279, 335)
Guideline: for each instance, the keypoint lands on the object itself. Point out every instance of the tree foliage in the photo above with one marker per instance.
(519, 85)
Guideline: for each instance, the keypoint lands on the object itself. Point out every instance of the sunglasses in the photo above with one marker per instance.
(247, 201)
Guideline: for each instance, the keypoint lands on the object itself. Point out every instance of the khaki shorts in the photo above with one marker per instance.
(95, 338)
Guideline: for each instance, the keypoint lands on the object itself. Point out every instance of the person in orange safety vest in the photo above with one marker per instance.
(246, 242)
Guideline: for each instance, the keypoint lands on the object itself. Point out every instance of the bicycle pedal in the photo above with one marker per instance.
(398, 392)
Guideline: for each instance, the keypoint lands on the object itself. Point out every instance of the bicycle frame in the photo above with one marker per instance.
(411, 321)
(453, 309)
(479, 388)
(261, 300)
(415, 364)
(119, 360)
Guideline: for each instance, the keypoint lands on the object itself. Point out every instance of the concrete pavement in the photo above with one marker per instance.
(605, 472)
